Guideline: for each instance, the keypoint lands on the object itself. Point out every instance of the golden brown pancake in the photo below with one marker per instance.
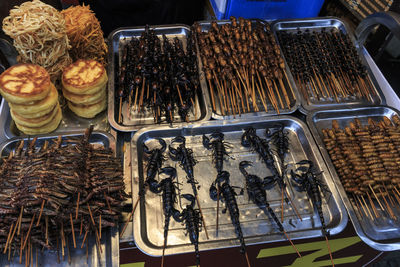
(24, 83)
(38, 108)
(84, 77)
(88, 111)
(35, 122)
(85, 99)
(47, 128)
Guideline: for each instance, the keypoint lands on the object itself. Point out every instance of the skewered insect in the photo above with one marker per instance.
(155, 161)
(281, 142)
(228, 195)
(219, 146)
(192, 220)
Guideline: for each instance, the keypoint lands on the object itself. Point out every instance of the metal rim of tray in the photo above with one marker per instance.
(304, 107)
(111, 87)
(214, 245)
(339, 187)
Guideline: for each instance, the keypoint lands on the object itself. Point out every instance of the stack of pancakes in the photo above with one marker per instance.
(32, 98)
(84, 86)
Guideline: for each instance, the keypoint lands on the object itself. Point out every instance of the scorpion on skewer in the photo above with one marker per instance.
(229, 197)
(281, 141)
(155, 162)
(219, 146)
(192, 220)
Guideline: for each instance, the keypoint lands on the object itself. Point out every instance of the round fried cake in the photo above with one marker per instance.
(24, 83)
(47, 128)
(88, 111)
(38, 108)
(85, 99)
(84, 77)
(35, 122)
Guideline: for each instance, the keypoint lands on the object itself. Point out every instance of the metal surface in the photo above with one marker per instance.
(110, 237)
(69, 122)
(317, 24)
(382, 234)
(294, 101)
(390, 20)
(116, 40)
(256, 226)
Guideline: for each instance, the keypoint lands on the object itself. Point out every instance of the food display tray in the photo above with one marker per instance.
(217, 114)
(116, 40)
(69, 122)
(110, 237)
(317, 24)
(256, 226)
(383, 233)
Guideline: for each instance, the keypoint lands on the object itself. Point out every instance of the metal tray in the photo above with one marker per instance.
(116, 40)
(384, 234)
(316, 24)
(295, 103)
(69, 122)
(110, 237)
(257, 228)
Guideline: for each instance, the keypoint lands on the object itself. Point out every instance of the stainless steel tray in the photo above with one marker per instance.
(294, 101)
(116, 40)
(69, 122)
(257, 228)
(316, 24)
(383, 234)
(110, 237)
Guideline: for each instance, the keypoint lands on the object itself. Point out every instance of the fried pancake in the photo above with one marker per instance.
(85, 99)
(38, 108)
(24, 83)
(35, 122)
(88, 111)
(84, 77)
(47, 128)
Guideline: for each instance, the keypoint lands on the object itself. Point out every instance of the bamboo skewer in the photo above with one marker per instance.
(72, 230)
(202, 217)
(216, 227)
(40, 213)
(130, 217)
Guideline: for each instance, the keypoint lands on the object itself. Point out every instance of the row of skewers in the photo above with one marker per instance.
(303, 178)
(367, 160)
(157, 76)
(243, 66)
(326, 66)
(54, 193)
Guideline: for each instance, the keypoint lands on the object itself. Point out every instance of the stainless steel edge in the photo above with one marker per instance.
(111, 83)
(248, 115)
(326, 22)
(349, 207)
(340, 220)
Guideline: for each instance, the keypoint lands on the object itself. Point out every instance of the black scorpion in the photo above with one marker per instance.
(229, 197)
(307, 181)
(192, 219)
(185, 157)
(219, 146)
(255, 187)
(281, 142)
(154, 162)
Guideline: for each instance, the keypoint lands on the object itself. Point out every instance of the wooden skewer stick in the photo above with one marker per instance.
(95, 229)
(40, 213)
(77, 206)
(277, 92)
(293, 205)
(282, 193)
(8, 237)
(179, 93)
(387, 205)
(212, 94)
(262, 98)
(20, 249)
(29, 231)
(81, 228)
(130, 217)
(284, 93)
(240, 95)
(194, 108)
(362, 206)
(100, 226)
(245, 90)
(107, 202)
(135, 106)
(120, 109)
(288, 82)
(247, 259)
(389, 196)
(46, 221)
(329, 249)
(293, 246)
(84, 238)
(366, 206)
(163, 253)
(376, 197)
(20, 220)
(142, 94)
(72, 230)
(396, 196)
(372, 205)
(202, 217)
(216, 227)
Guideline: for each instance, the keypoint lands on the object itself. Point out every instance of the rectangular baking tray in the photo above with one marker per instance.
(69, 122)
(294, 102)
(257, 228)
(316, 24)
(110, 237)
(116, 40)
(383, 234)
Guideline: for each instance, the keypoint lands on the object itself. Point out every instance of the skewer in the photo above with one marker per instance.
(107, 202)
(20, 220)
(291, 243)
(366, 206)
(387, 205)
(129, 218)
(247, 259)
(277, 92)
(216, 228)
(8, 238)
(29, 231)
(212, 94)
(284, 93)
(282, 193)
(142, 93)
(100, 227)
(376, 197)
(372, 205)
(120, 109)
(329, 249)
(84, 238)
(40, 213)
(20, 248)
(262, 98)
(202, 217)
(72, 230)
(77, 206)
(95, 229)
(46, 220)
(292, 205)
